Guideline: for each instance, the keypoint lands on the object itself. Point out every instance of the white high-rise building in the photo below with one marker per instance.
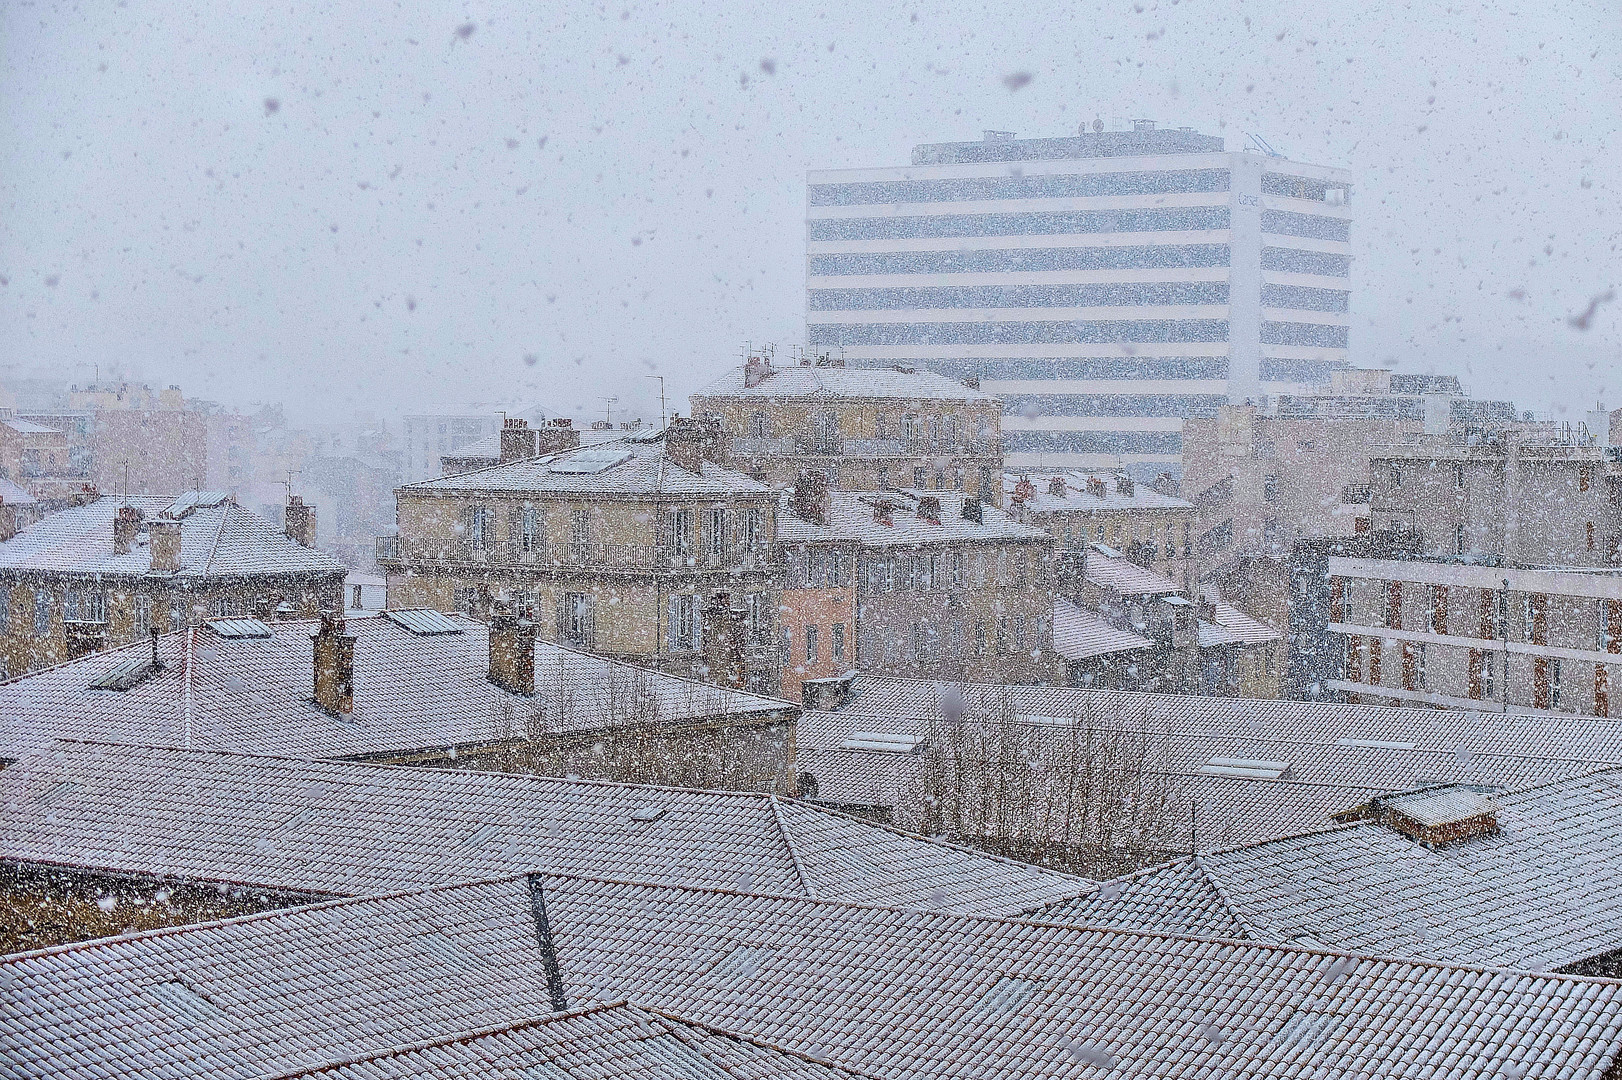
(1106, 286)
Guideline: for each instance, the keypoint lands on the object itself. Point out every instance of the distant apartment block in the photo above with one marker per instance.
(865, 429)
(1106, 286)
(1079, 509)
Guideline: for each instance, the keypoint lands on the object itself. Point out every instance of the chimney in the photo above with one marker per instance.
(689, 442)
(1123, 486)
(10, 521)
(811, 499)
(828, 694)
(164, 534)
(1056, 487)
(1071, 572)
(882, 511)
(556, 437)
(512, 653)
(1096, 488)
(299, 521)
(724, 641)
(929, 508)
(972, 382)
(334, 666)
(517, 440)
(972, 509)
(126, 523)
(755, 372)
(1165, 485)
(1024, 490)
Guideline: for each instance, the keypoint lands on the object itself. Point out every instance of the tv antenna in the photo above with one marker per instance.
(1263, 145)
(608, 410)
(663, 421)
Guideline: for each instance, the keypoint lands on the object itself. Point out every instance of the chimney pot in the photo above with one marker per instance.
(299, 521)
(972, 509)
(811, 498)
(334, 666)
(1057, 487)
(882, 511)
(512, 653)
(929, 508)
(1123, 486)
(1024, 490)
(755, 372)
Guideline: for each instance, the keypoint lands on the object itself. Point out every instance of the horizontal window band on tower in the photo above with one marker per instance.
(1018, 187)
(1005, 296)
(1183, 405)
(1092, 442)
(1033, 223)
(1304, 299)
(1296, 333)
(1128, 330)
(1323, 228)
(1073, 367)
(1298, 187)
(1292, 261)
(1017, 260)
(1275, 369)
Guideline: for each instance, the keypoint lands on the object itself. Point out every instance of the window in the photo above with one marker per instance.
(478, 527)
(749, 532)
(879, 426)
(178, 612)
(42, 610)
(1602, 628)
(575, 620)
(957, 569)
(825, 432)
(465, 598)
(786, 647)
(909, 427)
(5, 608)
(1458, 539)
(1188, 546)
(1554, 683)
(757, 425)
(679, 532)
(1270, 488)
(957, 478)
(1423, 677)
(979, 639)
(1019, 633)
(1528, 621)
(934, 425)
(1002, 635)
(1589, 528)
(85, 605)
(839, 643)
(1396, 476)
(715, 532)
(530, 529)
(810, 644)
(1458, 477)
(579, 533)
(884, 476)
(1584, 477)
(920, 477)
(684, 630)
(1489, 662)
(757, 605)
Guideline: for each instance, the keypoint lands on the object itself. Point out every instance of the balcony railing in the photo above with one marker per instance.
(388, 547)
(601, 555)
(787, 445)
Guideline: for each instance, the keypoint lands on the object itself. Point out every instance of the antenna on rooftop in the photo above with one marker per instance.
(663, 421)
(1263, 145)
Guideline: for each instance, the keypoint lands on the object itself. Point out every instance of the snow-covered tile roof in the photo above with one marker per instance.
(410, 691)
(1543, 892)
(1126, 577)
(854, 383)
(347, 829)
(218, 538)
(631, 466)
(887, 992)
(1079, 634)
(614, 1041)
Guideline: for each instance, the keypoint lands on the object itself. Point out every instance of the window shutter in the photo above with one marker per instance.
(590, 629)
(515, 530)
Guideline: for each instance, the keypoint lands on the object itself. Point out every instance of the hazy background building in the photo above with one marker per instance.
(1105, 285)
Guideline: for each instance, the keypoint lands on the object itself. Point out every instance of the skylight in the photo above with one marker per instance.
(647, 813)
(1247, 768)
(883, 742)
(591, 462)
(126, 673)
(239, 628)
(1006, 995)
(424, 622)
(741, 963)
(185, 1004)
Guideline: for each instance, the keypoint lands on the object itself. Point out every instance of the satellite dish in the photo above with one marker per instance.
(1098, 124)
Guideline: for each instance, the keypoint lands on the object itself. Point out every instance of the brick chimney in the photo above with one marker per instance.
(811, 499)
(1096, 487)
(334, 666)
(1024, 490)
(689, 442)
(517, 440)
(512, 653)
(556, 437)
(164, 534)
(1057, 487)
(299, 521)
(828, 694)
(1123, 486)
(126, 524)
(723, 641)
(10, 521)
(883, 511)
(756, 371)
(973, 509)
(929, 508)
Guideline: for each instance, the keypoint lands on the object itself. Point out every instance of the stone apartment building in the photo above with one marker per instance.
(916, 583)
(642, 549)
(35, 457)
(119, 568)
(1262, 477)
(866, 429)
(132, 438)
(1513, 598)
(1077, 509)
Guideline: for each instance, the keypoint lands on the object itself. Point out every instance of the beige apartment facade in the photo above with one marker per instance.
(642, 549)
(866, 429)
(1077, 509)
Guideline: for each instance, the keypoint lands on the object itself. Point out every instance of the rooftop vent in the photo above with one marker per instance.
(1248, 768)
(239, 628)
(883, 742)
(647, 813)
(193, 500)
(424, 622)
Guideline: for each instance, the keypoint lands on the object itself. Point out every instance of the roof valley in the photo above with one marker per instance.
(793, 852)
(1227, 901)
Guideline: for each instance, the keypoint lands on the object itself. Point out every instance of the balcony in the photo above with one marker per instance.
(387, 548)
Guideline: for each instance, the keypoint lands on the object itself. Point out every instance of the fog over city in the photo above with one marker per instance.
(391, 207)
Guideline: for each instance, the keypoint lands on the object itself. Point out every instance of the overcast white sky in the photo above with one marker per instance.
(350, 206)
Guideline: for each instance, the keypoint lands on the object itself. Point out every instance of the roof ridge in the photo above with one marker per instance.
(753, 1040)
(1222, 894)
(219, 531)
(788, 842)
(448, 1040)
